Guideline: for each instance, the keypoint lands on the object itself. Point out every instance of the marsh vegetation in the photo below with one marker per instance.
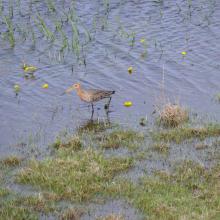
(81, 172)
(161, 57)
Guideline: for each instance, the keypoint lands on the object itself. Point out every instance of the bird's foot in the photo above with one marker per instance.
(106, 106)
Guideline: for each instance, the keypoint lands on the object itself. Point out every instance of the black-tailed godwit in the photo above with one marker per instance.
(91, 95)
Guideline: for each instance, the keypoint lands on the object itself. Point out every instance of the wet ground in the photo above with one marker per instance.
(105, 38)
(167, 28)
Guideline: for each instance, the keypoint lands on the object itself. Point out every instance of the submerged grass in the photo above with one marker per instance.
(80, 174)
(191, 192)
(10, 32)
(76, 177)
(17, 207)
(94, 126)
(36, 203)
(178, 135)
(121, 138)
(11, 212)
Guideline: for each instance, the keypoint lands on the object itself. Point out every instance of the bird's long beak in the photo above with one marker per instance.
(70, 89)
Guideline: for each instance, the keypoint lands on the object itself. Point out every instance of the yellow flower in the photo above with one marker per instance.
(130, 70)
(45, 86)
(142, 40)
(27, 68)
(184, 53)
(128, 104)
(17, 88)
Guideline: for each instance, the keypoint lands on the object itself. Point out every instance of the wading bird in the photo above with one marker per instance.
(91, 95)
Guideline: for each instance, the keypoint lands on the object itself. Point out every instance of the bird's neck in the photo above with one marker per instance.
(79, 91)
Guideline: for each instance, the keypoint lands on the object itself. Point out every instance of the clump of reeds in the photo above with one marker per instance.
(172, 115)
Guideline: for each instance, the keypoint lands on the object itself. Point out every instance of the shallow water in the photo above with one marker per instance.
(36, 116)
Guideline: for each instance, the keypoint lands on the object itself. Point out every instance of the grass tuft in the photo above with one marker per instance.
(74, 143)
(172, 115)
(71, 214)
(11, 161)
(161, 147)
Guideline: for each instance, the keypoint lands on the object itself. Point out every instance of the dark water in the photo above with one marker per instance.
(36, 116)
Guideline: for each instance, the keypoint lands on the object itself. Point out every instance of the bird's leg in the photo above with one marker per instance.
(108, 104)
(92, 111)
(109, 101)
(107, 115)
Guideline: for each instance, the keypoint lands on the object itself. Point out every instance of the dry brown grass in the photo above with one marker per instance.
(71, 214)
(73, 143)
(172, 115)
(112, 217)
(11, 161)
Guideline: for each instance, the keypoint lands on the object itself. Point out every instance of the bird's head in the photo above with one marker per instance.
(74, 86)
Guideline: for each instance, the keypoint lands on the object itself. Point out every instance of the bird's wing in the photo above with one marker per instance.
(99, 94)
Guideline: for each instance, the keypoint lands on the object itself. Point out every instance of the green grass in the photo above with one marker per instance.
(78, 173)
(77, 177)
(121, 138)
(11, 212)
(3, 192)
(10, 33)
(191, 192)
(16, 207)
(74, 143)
(178, 135)
(94, 126)
(36, 203)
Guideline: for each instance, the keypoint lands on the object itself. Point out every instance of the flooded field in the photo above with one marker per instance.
(144, 50)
